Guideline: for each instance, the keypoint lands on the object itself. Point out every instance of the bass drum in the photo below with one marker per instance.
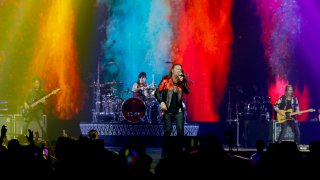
(133, 110)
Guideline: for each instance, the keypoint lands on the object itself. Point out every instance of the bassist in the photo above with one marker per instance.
(35, 113)
(288, 102)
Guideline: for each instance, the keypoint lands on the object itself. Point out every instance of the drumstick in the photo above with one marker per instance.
(152, 80)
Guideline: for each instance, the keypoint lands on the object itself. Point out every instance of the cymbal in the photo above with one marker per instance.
(108, 95)
(106, 83)
(112, 83)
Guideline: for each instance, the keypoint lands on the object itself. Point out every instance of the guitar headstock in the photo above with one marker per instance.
(311, 110)
(55, 91)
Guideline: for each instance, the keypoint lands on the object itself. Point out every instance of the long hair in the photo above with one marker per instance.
(142, 74)
(168, 76)
(288, 86)
(37, 79)
(40, 81)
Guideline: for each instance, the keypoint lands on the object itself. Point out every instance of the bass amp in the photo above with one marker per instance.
(8, 121)
(288, 136)
(20, 124)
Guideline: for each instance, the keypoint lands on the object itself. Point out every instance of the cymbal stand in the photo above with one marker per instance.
(229, 118)
(148, 113)
(97, 97)
(238, 127)
(152, 84)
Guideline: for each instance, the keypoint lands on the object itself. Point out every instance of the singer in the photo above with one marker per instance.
(169, 94)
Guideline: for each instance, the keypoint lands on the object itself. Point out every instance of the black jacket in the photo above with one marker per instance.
(165, 90)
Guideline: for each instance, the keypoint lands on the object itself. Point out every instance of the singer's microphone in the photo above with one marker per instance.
(182, 75)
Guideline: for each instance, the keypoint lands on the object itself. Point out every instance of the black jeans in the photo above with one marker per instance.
(37, 116)
(179, 118)
(294, 127)
(173, 145)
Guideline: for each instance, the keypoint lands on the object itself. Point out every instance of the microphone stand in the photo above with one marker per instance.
(238, 127)
(230, 120)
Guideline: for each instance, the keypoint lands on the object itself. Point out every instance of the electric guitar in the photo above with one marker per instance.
(26, 112)
(289, 113)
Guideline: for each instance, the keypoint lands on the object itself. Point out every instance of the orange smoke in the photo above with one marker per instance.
(55, 58)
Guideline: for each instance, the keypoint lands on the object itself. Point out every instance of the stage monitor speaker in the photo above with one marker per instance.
(7, 120)
(257, 130)
(20, 124)
(288, 136)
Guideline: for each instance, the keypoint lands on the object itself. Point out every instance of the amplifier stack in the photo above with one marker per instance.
(15, 124)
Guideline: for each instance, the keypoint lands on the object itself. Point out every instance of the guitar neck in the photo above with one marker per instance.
(300, 112)
(37, 102)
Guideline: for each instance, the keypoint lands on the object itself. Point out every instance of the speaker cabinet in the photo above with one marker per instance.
(20, 124)
(257, 130)
(288, 136)
(8, 121)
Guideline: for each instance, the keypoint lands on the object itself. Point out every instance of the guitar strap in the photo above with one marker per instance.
(294, 103)
(283, 103)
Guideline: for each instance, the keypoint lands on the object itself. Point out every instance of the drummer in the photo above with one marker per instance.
(140, 87)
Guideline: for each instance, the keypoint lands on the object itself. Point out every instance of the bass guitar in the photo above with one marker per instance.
(26, 112)
(289, 113)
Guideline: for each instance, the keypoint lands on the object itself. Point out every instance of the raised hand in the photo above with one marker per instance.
(3, 131)
(30, 137)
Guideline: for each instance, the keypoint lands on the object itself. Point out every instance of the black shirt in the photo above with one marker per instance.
(174, 106)
(35, 95)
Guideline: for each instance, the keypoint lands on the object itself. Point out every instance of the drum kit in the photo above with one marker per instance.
(258, 109)
(111, 107)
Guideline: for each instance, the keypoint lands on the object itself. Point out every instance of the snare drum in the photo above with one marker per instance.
(133, 110)
(148, 93)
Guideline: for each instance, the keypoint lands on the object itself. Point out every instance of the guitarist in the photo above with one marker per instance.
(286, 102)
(35, 113)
